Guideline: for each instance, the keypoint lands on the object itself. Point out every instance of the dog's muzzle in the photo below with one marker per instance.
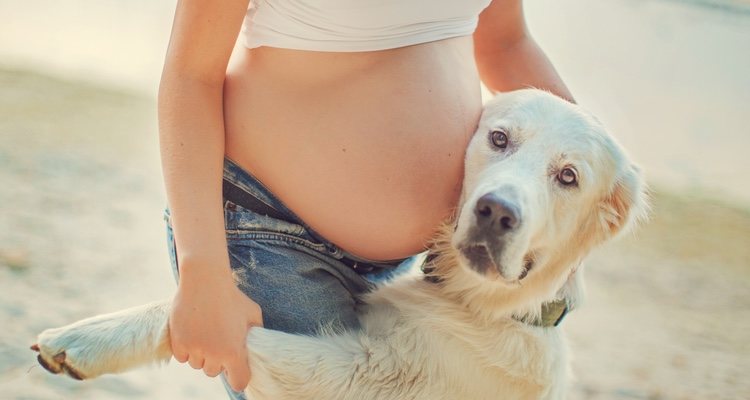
(498, 218)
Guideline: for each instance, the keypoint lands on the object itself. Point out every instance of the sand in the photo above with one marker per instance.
(81, 232)
(81, 229)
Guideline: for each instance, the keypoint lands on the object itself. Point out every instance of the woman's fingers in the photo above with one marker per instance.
(212, 368)
(238, 373)
(180, 355)
(196, 361)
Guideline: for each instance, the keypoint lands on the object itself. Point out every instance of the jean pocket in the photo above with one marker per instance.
(274, 238)
(273, 256)
(240, 221)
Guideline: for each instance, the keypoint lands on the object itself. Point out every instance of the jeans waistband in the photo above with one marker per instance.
(242, 188)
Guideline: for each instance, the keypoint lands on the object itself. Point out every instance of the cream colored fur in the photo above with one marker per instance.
(454, 339)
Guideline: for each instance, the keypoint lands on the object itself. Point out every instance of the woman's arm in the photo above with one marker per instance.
(507, 56)
(210, 316)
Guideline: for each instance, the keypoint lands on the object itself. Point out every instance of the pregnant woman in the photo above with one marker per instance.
(326, 152)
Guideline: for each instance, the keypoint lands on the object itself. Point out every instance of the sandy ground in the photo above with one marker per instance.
(81, 232)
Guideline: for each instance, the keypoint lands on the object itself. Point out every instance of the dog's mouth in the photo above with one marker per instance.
(482, 261)
(479, 258)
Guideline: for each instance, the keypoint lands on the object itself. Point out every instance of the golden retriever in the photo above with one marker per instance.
(544, 184)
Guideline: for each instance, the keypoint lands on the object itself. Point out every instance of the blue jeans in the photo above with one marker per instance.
(297, 277)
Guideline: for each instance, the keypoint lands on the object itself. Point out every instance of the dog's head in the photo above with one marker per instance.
(543, 182)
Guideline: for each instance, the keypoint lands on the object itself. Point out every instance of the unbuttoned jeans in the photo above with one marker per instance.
(294, 274)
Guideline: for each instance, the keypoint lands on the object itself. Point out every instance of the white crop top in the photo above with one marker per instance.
(357, 25)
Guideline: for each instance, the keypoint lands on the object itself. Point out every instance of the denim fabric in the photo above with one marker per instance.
(294, 274)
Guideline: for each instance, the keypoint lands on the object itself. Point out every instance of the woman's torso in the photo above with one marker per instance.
(366, 147)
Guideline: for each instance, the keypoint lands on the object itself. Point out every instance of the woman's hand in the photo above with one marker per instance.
(209, 322)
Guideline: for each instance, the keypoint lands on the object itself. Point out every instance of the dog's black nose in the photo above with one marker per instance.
(496, 215)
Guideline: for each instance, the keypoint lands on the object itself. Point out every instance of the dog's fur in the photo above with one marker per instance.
(458, 335)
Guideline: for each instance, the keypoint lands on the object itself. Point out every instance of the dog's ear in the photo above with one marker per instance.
(626, 204)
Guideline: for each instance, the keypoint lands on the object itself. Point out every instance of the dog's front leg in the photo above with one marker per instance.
(107, 343)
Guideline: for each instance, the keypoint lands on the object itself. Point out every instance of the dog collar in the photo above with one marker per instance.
(553, 312)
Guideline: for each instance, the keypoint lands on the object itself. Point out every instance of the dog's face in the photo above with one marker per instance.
(542, 178)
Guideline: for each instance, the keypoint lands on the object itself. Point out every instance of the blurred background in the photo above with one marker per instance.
(81, 197)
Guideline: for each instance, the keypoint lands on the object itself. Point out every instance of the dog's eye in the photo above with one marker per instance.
(499, 138)
(568, 176)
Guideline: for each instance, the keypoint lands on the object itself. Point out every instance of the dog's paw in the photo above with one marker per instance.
(57, 363)
(54, 356)
(107, 343)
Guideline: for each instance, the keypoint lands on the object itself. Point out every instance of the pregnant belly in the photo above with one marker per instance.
(367, 149)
